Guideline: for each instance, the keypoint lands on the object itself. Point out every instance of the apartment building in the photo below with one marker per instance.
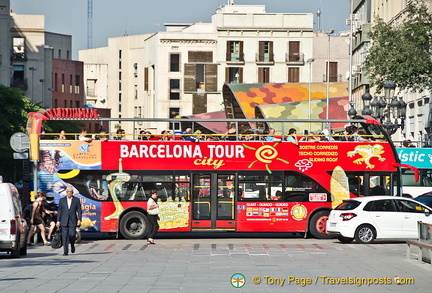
(180, 71)
(418, 104)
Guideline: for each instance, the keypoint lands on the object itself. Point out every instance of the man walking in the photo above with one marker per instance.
(69, 217)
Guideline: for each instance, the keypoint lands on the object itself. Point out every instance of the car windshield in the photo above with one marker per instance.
(427, 200)
(348, 205)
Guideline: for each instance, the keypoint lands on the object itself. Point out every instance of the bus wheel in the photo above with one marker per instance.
(134, 225)
(317, 225)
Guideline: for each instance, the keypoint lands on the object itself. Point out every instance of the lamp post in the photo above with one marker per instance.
(328, 73)
(309, 61)
(377, 108)
(32, 69)
(42, 81)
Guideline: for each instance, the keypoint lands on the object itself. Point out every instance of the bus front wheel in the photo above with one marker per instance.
(134, 225)
(317, 225)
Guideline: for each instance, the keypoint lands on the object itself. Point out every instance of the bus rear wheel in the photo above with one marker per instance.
(134, 225)
(317, 225)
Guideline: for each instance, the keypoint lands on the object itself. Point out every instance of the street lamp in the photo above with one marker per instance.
(42, 81)
(377, 108)
(32, 69)
(310, 61)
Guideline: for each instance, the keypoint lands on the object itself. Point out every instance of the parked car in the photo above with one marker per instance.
(13, 227)
(425, 198)
(377, 217)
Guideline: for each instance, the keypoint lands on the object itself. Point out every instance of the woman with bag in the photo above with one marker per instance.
(153, 215)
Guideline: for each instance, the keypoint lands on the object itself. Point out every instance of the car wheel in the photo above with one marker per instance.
(317, 225)
(15, 253)
(23, 250)
(345, 239)
(134, 225)
(365, 234)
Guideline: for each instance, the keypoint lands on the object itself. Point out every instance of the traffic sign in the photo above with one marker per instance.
(20, 142)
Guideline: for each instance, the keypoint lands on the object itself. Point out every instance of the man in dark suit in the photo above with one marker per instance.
(69, 217)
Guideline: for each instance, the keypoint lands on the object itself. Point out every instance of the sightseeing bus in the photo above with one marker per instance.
(238, 185)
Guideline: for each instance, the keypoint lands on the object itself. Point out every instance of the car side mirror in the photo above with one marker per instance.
(427, 213)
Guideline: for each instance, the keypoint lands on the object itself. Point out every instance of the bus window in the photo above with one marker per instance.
(299, 187)
(253, 186)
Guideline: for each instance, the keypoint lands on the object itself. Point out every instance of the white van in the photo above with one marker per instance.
(13, 227)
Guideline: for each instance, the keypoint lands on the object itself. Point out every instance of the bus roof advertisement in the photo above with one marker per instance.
(245, 156)
(72, 154)
(419, 158)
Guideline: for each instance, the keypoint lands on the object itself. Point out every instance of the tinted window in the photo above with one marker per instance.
(348, 205)
(409, 206)
(380, 206)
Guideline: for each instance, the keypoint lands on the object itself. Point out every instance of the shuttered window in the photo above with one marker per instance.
(293, 74)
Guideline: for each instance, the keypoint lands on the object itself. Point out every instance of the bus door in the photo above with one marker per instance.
(213, 201)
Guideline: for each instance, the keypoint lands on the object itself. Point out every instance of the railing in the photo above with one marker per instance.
(234, 57)
(264, 57)
(294, 58)
(333, 78)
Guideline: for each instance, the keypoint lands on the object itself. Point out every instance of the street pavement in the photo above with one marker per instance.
(220, 262)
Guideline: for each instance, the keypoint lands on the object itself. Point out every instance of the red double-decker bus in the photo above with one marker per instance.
(241, 185)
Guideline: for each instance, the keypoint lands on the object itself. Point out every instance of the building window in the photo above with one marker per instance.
(293, 74)
(263, 74)
(136, 92)
(59, 54)
(146, 78)
(333, 72)
(234, 75)
(63, 83)
(265, 51)
(174, 89)
(77, 84)
(200, 78)
(135, 66)
(55, 82)
(91, 87)
(67, 55)
(234, 51)
(294, 51)
(18, 49)
(70, 84)
(174, 114)
(174, 62)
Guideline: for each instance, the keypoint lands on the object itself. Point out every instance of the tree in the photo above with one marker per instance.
(402, 52)
(13, 119)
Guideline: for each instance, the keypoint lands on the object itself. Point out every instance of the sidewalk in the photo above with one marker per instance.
(208, 265)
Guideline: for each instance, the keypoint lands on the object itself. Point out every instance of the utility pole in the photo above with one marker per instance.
(89, 24)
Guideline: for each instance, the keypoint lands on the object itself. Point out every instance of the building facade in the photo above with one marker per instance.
(181, 71)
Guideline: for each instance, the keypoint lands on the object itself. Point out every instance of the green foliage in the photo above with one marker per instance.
(13, 119)
(402, 52)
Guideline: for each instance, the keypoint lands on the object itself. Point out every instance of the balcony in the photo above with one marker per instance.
(294, 58)
(19, 57)
(235, 58)
(264, 59)
(333, 78)
(19, 84)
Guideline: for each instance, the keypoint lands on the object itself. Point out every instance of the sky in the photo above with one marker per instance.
(114, 18)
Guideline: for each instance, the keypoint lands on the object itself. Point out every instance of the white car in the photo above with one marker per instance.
(13, 227)
(377, 217)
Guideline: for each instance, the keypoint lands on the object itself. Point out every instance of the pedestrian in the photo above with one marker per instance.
(36, 219)
(292, 136)
(153, 215)
(69, 218)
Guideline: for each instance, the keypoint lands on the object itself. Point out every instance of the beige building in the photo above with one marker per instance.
(5, 43)
(181, 71)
